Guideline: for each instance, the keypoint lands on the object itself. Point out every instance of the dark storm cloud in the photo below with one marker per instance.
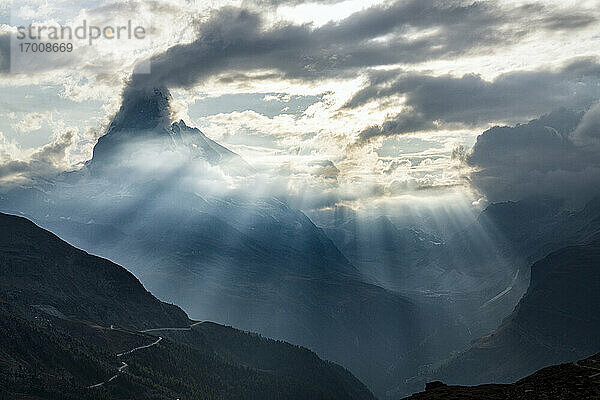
(235, 40)
(406, 122)
(471, 100)
(576, 20)
(549, 156)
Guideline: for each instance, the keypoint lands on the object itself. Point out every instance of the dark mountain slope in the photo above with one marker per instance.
(578, 380)
(258, 266)
(253, 350)
(557, 320)
(55, 306)
(156, 198)
(43, 357)
(37, 268)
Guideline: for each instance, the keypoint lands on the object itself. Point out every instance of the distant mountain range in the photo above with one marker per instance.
(247, 261)
(385, 253)
(556, 321)
(75, 326)
(391, 302)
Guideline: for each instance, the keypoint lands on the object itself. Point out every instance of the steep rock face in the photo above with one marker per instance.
(556, 321)
(562, 306)
(143, 115)
(206, 148)
(142, 128)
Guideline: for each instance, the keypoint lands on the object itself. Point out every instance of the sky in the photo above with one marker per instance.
(355, 103)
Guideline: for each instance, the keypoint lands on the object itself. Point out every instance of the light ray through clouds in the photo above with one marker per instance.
(286, 145)
(341, 143)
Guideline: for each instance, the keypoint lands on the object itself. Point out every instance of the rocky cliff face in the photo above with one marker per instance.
(556, 321)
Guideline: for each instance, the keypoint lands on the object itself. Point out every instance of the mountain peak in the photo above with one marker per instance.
(143, 113)
(143, 126)
(143, 109)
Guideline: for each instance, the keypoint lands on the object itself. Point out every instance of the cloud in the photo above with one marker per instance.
(234, 44)
(51, 159)
(541, 158)
(588, 131)
(236, 40)
(31, 122)
(18, 63)
(166, 22)
(392, 166)
(325, 169)
(406, 122)
(472, 101)
(277, 3)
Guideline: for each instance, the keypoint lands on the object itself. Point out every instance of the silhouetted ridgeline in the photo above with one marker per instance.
(57, 305)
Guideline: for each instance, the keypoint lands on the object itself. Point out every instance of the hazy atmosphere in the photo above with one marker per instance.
(355, 103)
(409, 189)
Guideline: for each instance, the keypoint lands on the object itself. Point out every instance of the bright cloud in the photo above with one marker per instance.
(357, 100)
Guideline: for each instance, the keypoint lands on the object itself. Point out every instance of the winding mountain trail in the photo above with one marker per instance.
(140, 348)
(124, 365)
(171, 329)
